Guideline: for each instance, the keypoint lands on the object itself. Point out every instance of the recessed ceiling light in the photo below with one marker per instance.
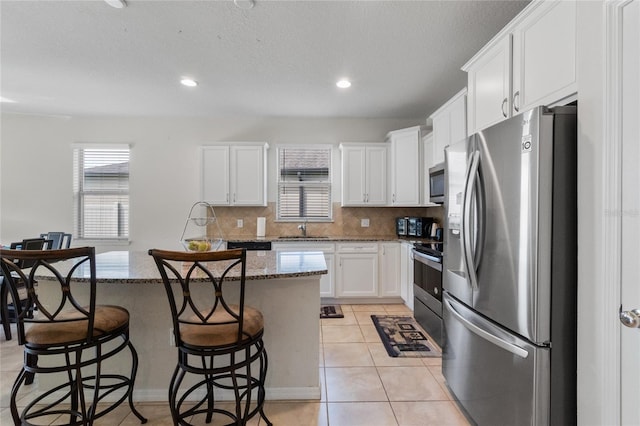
(118, 4)
(189, 82)
(343, 84)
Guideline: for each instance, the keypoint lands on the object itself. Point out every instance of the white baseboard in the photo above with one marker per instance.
(162, 395)
(273, 394)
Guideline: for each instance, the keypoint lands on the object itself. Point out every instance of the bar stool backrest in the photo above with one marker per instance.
(59, 240)
(217, 269)
(68, 307)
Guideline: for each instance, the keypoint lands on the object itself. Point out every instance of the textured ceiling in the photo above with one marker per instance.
(280, 58)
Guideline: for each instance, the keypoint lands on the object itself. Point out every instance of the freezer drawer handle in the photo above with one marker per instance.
(514, 349)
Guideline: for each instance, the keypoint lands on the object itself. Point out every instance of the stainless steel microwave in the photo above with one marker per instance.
(436, 184)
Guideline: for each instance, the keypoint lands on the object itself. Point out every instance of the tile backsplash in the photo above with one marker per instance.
(346, 221)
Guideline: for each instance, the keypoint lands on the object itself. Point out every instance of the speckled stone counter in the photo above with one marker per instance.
(285, 286)
(124, 267)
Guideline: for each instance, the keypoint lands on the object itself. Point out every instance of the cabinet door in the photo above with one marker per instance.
(353, 175)
(544, 55)
(441, 135)
(489, 85)
(457, 122)
(406, 274)
(248, 175)
(427, 154)
(376, 176)
(390, 284)
(327, 282)
(405, 167)
(215, 175)
(357, 275)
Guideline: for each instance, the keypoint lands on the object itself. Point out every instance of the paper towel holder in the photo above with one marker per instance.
(260, 227)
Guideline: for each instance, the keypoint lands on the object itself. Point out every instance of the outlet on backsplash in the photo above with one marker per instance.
(240, 223)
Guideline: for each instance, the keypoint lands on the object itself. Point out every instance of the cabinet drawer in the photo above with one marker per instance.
(363, 247)
(325, 248)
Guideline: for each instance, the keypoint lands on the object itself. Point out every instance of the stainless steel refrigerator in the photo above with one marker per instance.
(509, 281)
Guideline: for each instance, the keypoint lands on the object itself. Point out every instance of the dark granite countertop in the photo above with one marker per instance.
(138, 267)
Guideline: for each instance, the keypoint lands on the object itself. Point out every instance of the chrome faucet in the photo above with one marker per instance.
(303, 228)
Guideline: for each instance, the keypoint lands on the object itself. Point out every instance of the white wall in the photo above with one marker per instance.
(36, 165)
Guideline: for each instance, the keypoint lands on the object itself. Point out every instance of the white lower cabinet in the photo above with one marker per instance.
(367, 269)
(390, 284)
(327, 281)
(406, 273)
(357, 270)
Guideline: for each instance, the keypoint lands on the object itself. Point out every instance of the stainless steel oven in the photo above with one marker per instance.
(427, 288)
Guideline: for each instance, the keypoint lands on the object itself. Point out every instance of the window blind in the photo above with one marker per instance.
(304, 183)
(101, 192)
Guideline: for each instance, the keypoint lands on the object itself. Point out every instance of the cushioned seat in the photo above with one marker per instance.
(214, 334)
(84, 333)
(108, 319)
(218, 337)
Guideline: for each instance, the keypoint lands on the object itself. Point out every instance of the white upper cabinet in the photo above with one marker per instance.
(531, 62)
(544, 56)
(215, 175)
(489, 84)
(235, 174)
(449, 125)
(428, 161)
(405, 169)
(364, 174)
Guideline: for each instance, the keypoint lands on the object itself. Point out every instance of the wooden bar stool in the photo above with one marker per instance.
(218, 337)
(70, 335)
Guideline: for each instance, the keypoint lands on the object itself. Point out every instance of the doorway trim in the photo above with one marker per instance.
(612, 227)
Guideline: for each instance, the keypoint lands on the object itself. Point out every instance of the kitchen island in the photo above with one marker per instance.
(285, 286)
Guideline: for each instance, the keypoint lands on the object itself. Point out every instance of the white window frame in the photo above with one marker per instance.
(80, 192)
(328, 184)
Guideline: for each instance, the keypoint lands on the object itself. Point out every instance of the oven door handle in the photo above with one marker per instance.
(431, 261)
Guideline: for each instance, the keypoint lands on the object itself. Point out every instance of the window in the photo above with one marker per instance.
(304, 183)
(101, 191)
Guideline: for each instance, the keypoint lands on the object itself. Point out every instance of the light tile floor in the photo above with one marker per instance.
(361, 384)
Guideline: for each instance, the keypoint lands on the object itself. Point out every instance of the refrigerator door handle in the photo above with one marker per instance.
(514, 349)
(478, 191)
(466, 221)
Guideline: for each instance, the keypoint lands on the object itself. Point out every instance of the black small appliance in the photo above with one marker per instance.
(419, 226)
(402, 226)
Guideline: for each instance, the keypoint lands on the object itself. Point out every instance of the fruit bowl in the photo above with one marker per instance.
(201, 230)
(202, 244)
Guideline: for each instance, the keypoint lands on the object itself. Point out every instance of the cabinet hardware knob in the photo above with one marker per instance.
(515, 104)
(504, 103)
